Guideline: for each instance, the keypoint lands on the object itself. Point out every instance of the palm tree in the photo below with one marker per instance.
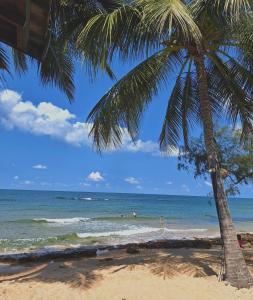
(57, 67)
(214, 78)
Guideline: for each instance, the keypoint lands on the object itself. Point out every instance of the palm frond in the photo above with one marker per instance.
(135, 30)
(234, 7)
(123, 105)
(166, 15)
(119, 31)
(171, 129)
(3, 60)
(4, 63)
(182, 111)
(186, 103)
(234, 90)
(19, 61)
(57, 68)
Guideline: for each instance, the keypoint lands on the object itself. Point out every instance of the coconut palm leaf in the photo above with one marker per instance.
(168, 14)
(3, 59)
(130, 32)
(235, 91)
(57, 68)
(234, 9)
(4, 63)
(19, 61)
(123, 105)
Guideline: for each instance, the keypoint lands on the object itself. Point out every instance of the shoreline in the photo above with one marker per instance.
(93, 251)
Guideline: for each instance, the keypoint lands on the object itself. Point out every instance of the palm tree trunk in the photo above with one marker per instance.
(236, 271)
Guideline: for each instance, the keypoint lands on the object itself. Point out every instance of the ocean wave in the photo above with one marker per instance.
(86, 198)
(62, 221)
(124, 232)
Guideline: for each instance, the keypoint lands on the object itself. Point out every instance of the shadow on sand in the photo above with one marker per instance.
(85, 272)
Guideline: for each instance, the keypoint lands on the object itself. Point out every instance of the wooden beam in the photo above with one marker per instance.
(12, 11)
(43, 4)
(23, 31)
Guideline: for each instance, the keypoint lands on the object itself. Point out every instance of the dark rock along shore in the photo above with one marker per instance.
(84, 251)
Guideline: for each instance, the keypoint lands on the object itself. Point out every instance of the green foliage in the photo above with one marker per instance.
(129, 31)
(57, 68)
(235, 158)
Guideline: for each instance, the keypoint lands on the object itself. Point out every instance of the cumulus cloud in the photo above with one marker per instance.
(132, 180)
(58, 123)
(95, 176)
(140, 146)
(16, 177)
(40, 167)
(42, 119)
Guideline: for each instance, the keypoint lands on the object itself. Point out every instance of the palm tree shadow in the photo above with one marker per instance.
(191, 263)
(84, 280)
(84, 273)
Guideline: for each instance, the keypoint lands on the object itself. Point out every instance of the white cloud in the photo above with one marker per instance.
(132, 180)
(39, 167)
(85, 184)
(16, 177)
(95, 176)
(169, 182)
(27, 182)
(140, 146)
(42, 119)
(58, 123)
(208, 183)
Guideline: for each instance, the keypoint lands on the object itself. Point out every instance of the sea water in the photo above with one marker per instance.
(31, 220)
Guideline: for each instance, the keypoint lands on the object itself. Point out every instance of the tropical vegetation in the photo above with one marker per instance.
(208, 47)
(206, 44)
(236, 160)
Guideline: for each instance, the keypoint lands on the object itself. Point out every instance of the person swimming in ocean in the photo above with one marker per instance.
(162, 223)
(134, 214)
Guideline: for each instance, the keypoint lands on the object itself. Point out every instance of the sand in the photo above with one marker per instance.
(185, 274)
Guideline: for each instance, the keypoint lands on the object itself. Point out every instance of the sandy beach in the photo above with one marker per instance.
(175, 274)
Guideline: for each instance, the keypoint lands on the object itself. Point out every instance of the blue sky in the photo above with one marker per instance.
(44, 143)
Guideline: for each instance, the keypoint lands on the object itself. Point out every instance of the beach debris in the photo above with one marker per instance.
(83, 251)
(101, 252)
(132, 249)
(106, 259)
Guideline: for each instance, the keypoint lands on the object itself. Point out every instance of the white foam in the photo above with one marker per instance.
(88, 199)
(186, 230)
(118, 233)
(64, 221)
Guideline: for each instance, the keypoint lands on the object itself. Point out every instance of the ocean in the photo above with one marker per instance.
(43, 220)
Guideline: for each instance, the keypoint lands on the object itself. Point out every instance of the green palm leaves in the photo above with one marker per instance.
(123, 105)
(176, 32)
